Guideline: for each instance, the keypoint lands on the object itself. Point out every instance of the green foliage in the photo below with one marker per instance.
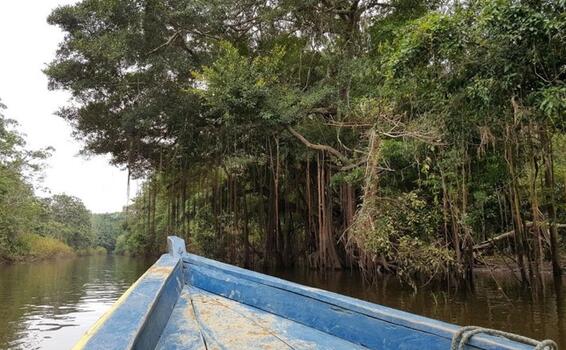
(18, 206)
(107, 228)
(403, 128)
(32, 227)
(407, 215)
(37, 247)
(552, 103)
(92, 251)
(120, 246)
(68, 220)
(135, 243)
(416, 258)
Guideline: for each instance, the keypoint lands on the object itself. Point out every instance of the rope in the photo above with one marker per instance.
(463, 335)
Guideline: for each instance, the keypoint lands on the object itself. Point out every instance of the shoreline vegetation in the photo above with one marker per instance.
(35, 248)
(34, 228)
(408, 137)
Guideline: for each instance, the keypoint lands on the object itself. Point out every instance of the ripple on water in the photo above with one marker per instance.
(51, 304)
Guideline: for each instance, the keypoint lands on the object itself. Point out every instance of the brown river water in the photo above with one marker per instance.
(49, 305)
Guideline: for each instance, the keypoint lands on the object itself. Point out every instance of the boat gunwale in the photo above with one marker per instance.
(155, 273)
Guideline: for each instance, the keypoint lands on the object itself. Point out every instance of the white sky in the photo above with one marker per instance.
(27, 44)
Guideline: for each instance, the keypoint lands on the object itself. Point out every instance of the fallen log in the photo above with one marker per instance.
(490, 242)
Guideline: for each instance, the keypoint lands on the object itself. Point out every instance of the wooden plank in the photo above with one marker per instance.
(370, 325)
(228, 324)
(225, 329)
(182, 331)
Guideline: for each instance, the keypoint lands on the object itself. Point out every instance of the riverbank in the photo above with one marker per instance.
(501, 262)
(32, 247)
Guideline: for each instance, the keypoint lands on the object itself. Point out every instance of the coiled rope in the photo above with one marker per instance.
(461, 338)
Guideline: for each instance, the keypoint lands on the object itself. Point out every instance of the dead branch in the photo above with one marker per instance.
(490, 242)
(167, 43)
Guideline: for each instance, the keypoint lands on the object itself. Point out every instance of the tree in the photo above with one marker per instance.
(18, 206)
(107, 227)
(387, 136)
(69, 221)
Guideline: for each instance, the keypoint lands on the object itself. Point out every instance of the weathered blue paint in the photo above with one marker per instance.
(367, 324)
(254, 328)
(138, 318)
(188, 302)
(182, 330)
(176, 247)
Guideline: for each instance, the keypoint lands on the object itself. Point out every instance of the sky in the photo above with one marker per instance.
(27, 44)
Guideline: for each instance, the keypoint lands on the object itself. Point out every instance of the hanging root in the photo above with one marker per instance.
(384, 234)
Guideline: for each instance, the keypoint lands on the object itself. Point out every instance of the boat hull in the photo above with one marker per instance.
(186, 301)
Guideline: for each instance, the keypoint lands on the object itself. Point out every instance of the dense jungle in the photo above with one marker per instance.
(424, 139)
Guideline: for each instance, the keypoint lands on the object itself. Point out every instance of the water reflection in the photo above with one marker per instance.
(49, 305)
(497, 301)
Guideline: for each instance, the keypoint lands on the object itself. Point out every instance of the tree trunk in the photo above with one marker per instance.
(551, 204)
(514, 201)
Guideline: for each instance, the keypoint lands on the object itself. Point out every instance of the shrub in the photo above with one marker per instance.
(39, 248)
(92, 251)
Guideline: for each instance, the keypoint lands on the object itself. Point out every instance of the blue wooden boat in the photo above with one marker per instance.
(186, 301)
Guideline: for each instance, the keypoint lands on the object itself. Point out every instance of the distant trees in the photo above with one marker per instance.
(67, 219)
(107, 228)
(388, 136)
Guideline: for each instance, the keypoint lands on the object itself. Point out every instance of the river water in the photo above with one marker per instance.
(49, 305)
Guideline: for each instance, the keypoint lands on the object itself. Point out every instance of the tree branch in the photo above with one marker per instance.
(167, 43)
(319, 147)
